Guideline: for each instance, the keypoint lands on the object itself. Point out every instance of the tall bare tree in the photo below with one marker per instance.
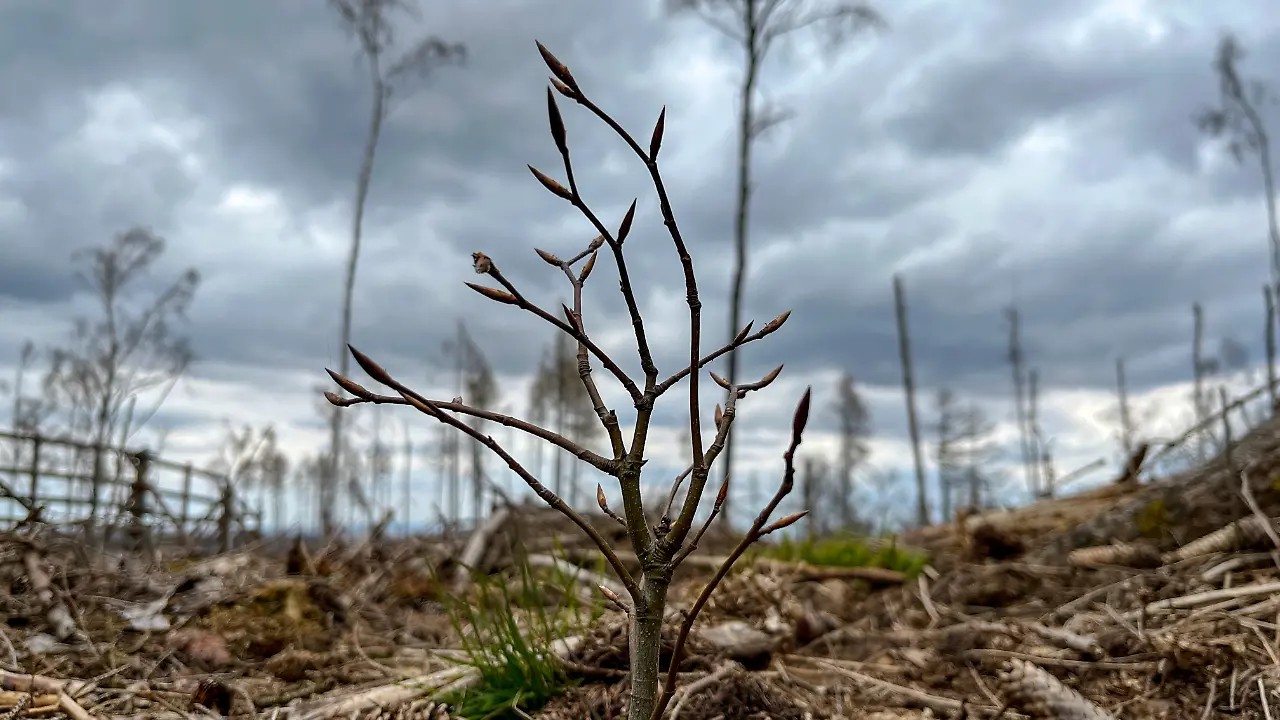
(1238, 119)
(756, 27)
(131, 346)
(369, 22)
(909, 391)
(854, 423)
(1269, 300)
(1017, 368)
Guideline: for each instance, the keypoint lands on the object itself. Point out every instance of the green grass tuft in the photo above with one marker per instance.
(848, 551)
(507, 633)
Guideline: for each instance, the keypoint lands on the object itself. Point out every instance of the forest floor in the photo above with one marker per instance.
(1156, 599)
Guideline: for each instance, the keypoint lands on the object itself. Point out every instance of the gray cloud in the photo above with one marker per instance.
(1043, 153)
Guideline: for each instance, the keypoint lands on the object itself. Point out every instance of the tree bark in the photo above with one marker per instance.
(646, 646)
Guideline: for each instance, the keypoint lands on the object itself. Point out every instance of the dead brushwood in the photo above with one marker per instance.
(660, 547)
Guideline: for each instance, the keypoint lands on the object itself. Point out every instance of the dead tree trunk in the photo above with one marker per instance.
(909, 389)
(1126, 420)
(1268, 295)
(1020, 412)
(1197, 369)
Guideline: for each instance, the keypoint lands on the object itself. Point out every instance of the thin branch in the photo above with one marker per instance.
(364, 396)
(427, 407)
(484, 265)
(608, 418)
(686, 263)
(742, 339)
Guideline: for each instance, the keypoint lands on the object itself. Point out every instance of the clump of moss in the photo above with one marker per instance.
(843, 550)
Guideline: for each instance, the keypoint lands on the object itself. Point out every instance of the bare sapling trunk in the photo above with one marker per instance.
(663, 546)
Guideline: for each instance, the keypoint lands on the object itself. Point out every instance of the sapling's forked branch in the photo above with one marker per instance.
(484, 265)
(567, 86)
(758, 530)
(675, 488)
(365, 396)
(427, 407)
(715, 510)
(608, 418)
(742, 339)
(724, 424)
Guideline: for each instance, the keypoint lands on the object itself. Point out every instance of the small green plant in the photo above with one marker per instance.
(847, 551)
(518, 672)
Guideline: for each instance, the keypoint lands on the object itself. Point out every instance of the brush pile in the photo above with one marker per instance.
(1157, 600)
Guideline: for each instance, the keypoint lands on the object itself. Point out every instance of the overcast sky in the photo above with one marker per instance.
(990, 152)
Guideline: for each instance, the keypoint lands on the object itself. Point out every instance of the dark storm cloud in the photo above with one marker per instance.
(869, 177)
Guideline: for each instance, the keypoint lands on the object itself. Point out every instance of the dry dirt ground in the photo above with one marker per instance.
(1137, 600)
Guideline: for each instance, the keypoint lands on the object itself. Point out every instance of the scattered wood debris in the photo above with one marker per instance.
(1138, 600)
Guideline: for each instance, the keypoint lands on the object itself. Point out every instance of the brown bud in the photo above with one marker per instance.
(801, 417)
(721, 381)
(610, 595)
(349, 385)
(625, 228)
(374, 370)
(557, 124)
(775, 323)
(563, 89)
(655, 142)
(586, 269)
(723, 494)
(501, 296)
(457, 400)
(742, 335)
(596, 243)
(604, 504)
(333, 398)
(481, 263)
(719, 416)
(557, 68)
(548, 257)
(791, 519)
(555, 187)
(764, 381)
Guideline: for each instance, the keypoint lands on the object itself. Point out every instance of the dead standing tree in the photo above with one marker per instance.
(756, 26)
(368, 21)
(854, 425)
(1016, 360)
(1238, 119)
(909, 390)
(130, 348)
(661, 547)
